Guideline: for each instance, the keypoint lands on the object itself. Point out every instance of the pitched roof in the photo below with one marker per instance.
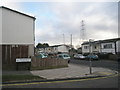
(58, 45)
(17, 12)
(103, 41)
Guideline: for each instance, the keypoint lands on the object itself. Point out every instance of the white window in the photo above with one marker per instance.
(86, 47)
(95, 47)
(107, 46)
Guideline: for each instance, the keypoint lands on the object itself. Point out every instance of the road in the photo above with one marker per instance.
(107, 82)
(113, 65)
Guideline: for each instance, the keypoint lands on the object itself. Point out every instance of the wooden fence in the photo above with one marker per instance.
(45, 63)
(10, 53)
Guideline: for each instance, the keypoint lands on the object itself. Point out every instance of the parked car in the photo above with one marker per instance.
(79, 56)
(42, 55)
(93, 57)
(64, 56)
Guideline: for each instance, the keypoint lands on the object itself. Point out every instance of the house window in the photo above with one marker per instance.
(85, 47)
(107, 46)
(55, 48)
(95, 47)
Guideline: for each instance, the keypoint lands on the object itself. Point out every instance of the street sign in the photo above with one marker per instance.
(23, 59)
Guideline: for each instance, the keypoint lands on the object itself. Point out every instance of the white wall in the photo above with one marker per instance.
(108, 50)
(0, 26)
(55, 49)
(97, 48)
(17, 28)
(31, 50)
(85, 50)
(118, 46)
(62, 49)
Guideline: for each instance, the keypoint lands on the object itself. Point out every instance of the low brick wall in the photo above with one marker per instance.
(46, 63)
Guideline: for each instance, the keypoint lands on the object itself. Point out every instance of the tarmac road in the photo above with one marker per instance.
(113, 65)
(101, 82)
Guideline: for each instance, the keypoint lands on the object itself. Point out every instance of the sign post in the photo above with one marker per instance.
(90, 66)
(90, 58)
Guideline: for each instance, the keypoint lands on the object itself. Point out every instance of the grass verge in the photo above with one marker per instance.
(15, 78)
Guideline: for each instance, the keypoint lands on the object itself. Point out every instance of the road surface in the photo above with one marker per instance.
(105, 82)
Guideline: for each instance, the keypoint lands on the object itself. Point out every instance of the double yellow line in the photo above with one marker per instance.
(20, 84)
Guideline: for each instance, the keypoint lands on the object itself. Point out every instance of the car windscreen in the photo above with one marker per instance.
(66, 56)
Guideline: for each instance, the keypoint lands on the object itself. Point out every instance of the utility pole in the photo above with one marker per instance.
(63, 39)
(71, 40)
(83, 30)
(90, 53)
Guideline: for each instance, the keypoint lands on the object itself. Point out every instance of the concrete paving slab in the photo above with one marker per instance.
(72, 71)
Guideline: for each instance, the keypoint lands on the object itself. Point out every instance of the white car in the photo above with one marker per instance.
(79, 56)
(64, 56)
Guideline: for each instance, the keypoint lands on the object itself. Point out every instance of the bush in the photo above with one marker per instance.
(86, 54)
(109, 56)
(103, 56)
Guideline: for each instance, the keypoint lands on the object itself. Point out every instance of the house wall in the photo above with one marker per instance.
(108, 50)
(49, 50)
(96, 48)
(85, 50)
(92, 48)
(118, 46)
(17, 36)
(100, 47)
(54, 49)
(31, 50)
(20, 28)
(63, 49)
(0, 26)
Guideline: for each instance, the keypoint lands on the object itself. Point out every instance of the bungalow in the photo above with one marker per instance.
(55, 49)
(102, 46)
(17, 35)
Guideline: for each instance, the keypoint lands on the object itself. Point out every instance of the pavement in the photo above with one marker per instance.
(72, 71)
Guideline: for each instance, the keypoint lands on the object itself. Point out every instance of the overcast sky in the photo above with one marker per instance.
(53, 19)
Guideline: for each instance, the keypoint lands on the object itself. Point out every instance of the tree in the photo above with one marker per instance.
(40, 45)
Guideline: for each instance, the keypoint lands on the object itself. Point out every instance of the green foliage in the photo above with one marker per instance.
(40, 45)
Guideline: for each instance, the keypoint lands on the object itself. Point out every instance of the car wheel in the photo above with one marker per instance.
(68, 61)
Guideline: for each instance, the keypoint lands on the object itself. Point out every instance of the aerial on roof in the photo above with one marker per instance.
(17, 12)
(103, 41)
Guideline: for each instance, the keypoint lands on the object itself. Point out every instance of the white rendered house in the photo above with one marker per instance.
(102, 46)
(17, 32)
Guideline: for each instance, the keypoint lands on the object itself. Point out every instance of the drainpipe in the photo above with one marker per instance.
(115, 47)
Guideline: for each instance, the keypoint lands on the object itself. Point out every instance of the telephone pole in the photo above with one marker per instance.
(63, 39)
(71, 40)
(83, 30)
